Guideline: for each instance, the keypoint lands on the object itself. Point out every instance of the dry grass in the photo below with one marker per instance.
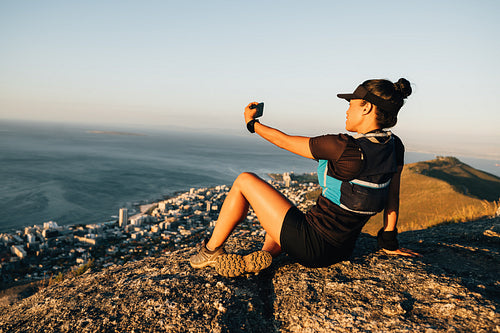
(73, 273)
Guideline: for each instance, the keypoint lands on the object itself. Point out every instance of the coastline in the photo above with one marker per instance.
(51, 251)
(481, 164)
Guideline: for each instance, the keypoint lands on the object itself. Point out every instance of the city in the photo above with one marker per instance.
(44, 251)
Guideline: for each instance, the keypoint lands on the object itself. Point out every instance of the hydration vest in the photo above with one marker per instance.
(366, 194)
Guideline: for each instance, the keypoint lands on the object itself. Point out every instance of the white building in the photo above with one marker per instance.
(31, 238)
(287, 179)
(122, 222)
(50, 225)
(18, 251)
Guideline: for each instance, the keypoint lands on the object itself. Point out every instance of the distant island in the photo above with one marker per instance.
(115, 133)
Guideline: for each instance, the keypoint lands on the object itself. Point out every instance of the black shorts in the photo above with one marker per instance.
(301, 241)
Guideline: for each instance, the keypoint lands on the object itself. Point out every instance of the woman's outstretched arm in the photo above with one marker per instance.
(296, 144)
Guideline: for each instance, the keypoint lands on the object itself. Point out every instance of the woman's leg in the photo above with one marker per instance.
(271, 246)
(269, 205)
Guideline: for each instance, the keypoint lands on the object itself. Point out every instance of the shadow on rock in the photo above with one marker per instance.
(467, 252)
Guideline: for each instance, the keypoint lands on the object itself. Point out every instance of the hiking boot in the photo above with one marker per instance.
(204, 257)
(231, 265)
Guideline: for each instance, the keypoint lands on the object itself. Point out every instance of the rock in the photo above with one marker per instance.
(453, 287)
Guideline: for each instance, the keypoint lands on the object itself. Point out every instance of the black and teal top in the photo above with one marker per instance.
(354, 173)
(367, 193)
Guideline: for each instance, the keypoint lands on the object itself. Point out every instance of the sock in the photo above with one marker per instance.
(208, 250)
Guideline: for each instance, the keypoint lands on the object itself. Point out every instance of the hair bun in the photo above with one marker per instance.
(403, 86)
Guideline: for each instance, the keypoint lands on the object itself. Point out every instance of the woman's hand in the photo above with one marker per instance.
(403, 252)
(250, 113)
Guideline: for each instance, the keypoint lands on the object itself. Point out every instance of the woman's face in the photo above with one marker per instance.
(354, 115)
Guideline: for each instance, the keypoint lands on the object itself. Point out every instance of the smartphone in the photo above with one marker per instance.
(260, 109)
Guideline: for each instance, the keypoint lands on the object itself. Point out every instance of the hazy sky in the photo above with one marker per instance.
(197, 64)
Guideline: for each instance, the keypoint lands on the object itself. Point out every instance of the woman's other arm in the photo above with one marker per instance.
(391, 213)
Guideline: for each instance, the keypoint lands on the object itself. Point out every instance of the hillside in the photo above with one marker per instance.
(454, 287)
(464, 178)
(442, 190)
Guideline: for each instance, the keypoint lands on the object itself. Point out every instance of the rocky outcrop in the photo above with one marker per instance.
(454, 287)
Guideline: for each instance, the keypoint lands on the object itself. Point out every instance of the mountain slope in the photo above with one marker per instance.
(464, 178)
(441, 190)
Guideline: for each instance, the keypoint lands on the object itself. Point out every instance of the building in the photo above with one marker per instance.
(122, 222)
(287, 179)
(31, 238)
(18, 251)
(91, 241)
(50, 225)
(49, 233)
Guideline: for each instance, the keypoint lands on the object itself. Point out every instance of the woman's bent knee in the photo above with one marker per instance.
(246, 177)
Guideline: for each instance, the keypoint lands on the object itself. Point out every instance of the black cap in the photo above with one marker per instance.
(362, 93)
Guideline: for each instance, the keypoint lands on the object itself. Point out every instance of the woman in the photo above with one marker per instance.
(359, 176)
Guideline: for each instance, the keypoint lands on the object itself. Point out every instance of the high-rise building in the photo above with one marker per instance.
(31, 238)
(287, 179)
(122, 222)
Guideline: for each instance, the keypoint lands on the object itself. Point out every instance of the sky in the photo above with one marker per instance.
(195, 65)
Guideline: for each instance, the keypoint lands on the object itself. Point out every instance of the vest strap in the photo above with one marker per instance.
(370, 185)
(357, 211)
(372, 136)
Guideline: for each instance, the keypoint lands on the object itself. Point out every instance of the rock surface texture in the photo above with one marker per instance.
(454, 287)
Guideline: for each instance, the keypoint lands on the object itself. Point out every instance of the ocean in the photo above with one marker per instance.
(73, 175)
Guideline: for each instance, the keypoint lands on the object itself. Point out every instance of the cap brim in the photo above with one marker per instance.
(347, 97)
